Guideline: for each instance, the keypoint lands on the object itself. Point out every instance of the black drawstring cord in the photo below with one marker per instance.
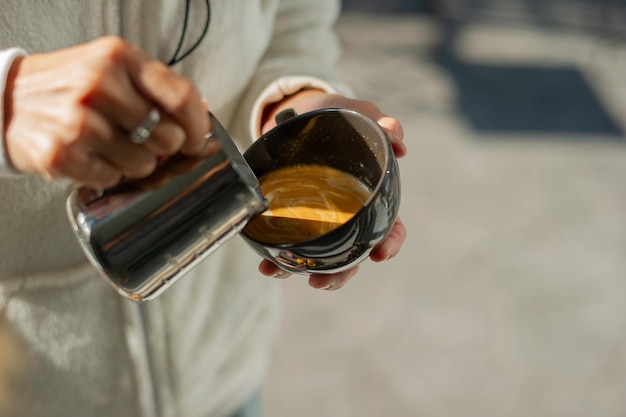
(175, 58)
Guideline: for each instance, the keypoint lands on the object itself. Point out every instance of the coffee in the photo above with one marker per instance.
(306, 201)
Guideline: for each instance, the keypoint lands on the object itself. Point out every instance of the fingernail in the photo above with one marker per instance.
(281, 274)
(333, 285)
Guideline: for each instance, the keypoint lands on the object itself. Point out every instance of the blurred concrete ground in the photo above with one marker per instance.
(509, 296)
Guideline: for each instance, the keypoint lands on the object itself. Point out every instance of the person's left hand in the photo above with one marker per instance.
(308, 100)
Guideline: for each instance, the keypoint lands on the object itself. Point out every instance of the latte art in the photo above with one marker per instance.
(305, 202)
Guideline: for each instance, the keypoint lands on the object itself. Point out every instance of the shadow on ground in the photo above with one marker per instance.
(531, 100)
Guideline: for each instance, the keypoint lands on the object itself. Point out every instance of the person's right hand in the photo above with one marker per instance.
(69, 113)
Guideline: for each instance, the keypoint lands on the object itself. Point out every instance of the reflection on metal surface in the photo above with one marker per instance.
(145, 235)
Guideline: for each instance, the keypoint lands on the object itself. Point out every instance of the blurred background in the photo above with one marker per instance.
(509, 296)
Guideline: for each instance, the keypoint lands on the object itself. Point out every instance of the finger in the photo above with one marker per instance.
(178, 164)
(395, 132)
(390, 247)
(166, 138)
(173, 94)
(119, 101)
(101, 174)
(132, 160)
(270, 269)
(155, 180)
(78, 160)
(332, 282)
(126, 107)
(169, 167)
(392, 126)
(86, 169)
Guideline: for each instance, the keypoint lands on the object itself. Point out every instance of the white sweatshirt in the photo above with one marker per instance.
(69, 345)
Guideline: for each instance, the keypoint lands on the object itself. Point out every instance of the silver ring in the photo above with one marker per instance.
(142, 133)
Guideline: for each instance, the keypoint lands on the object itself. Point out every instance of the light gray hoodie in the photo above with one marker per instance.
(69, 345)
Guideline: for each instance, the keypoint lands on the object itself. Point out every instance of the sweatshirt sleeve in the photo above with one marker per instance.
(7, 57)
(303, 53)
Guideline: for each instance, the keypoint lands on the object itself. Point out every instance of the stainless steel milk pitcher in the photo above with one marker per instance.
(144, 238)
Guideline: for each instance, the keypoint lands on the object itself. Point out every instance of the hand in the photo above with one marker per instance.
(68, 113)
(308, 100)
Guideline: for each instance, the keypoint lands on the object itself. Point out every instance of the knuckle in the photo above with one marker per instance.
(169, 147)
(172, 138)
(185, 95)
(95, 82)
(112, 47)
(56, 159)
(64, 162)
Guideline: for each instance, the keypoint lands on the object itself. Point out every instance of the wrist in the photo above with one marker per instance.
(10, 63)
(7, 103)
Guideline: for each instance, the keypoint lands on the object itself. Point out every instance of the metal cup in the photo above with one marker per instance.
(143, 236)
